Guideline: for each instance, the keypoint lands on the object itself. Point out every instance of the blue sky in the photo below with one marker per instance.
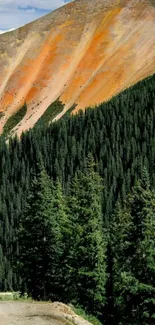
(15, 13)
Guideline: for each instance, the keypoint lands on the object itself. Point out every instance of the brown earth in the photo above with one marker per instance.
(24, 313)
(84, 53)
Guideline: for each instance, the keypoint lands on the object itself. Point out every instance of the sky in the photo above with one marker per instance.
(15, 13)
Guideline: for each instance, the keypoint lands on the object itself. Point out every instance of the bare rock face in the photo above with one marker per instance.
(84, 53)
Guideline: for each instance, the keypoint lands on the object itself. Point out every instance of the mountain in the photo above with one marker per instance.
(6, 31)
(83, 53)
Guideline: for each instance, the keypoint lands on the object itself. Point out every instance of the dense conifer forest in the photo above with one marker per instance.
(77, 209)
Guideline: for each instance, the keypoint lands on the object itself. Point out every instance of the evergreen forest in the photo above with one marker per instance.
(77, 209)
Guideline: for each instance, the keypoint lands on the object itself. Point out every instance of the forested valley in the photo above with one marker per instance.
(77, 209)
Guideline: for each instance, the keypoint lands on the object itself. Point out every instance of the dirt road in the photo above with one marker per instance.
(27, 313)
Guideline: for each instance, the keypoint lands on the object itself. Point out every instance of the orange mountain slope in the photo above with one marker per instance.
(84, 53)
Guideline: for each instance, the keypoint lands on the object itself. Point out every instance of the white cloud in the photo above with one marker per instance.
(15, 13)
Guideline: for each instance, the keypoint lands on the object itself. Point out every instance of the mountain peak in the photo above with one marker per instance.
(83, 53)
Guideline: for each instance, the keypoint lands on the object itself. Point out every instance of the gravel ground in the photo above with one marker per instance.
(24, 313)
(27, 313)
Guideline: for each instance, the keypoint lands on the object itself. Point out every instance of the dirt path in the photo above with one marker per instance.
(25, 313)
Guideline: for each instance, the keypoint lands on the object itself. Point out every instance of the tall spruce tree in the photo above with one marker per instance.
(39, 239)
(88, 241)
(133, 233)
(122, 247)
(59, 212)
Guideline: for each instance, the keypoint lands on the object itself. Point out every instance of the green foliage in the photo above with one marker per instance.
(51, 112)
(15, 296)
(59, 213)
(88, 317)
(133, 245)
(88, 252)
(120, 135)
(14, 120)
(39, 238)
(70, 110)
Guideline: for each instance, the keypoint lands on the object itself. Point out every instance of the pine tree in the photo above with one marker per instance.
(59, 212)
(39, 238)
(2, 273)
(122, 252)
(145, 261)
(133, 231)
(88, 242)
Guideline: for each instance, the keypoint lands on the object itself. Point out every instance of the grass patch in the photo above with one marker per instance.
(14, 120)
(90, 318)
(14, 296)
(51, 112)
(70, 110)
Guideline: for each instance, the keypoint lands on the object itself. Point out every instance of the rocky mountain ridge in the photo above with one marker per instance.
(83, 53)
